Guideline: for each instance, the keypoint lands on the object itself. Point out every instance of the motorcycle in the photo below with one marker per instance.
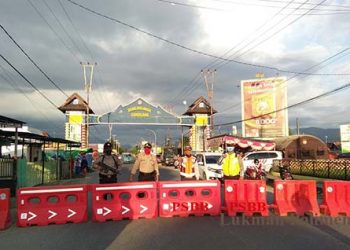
(254, 173)
(285, 173)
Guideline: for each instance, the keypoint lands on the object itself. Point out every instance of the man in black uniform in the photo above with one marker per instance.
(108, 165)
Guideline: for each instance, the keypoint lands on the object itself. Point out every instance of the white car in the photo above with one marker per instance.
(208, 166)
(265, 157)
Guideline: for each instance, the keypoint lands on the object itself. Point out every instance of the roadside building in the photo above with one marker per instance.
(302, 147)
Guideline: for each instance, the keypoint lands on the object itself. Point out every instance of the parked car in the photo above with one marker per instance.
(265, 157)
(343, 156)
(208, 166)
(127, 158)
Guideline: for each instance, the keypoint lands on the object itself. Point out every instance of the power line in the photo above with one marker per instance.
(12, 83)
(52, 29)
(263, 32)
(190, 49)
(30, 59)
(282, 1)
(313, 66)
(276, 32)
(99, 82)
(29, 82)
(330, 11)
(274, 6)
(343, 87)
(63, 28)
(215, 64)
(76, 30)
(186, 88)
(254, 33)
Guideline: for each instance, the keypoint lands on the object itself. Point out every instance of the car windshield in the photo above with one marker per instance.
(212, 159)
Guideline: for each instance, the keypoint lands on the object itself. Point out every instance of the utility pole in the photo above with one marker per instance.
(88, 84)
(209, 77)
(298, 126)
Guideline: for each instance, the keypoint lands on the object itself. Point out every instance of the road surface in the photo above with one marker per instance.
(207, 232)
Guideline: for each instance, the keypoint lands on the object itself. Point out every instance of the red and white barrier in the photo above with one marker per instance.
(189, 198)
(124, 201)
(52, 205)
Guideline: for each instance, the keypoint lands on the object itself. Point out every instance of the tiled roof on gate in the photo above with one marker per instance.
(195, 107)
(75, 103)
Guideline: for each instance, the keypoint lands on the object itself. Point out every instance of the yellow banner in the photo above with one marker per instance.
(201, 120)
(76, 119)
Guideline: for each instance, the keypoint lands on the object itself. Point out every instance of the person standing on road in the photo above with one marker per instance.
(146, 164)
(189, 166)
(108, 165)
(232, 167)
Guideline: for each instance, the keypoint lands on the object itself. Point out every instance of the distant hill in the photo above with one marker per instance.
(333, 134)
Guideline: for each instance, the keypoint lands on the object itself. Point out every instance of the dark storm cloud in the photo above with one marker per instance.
(128, 62)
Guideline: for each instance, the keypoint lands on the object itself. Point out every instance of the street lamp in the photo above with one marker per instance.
(155, 138)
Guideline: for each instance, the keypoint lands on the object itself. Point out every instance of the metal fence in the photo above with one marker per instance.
(7, 168)
(31, 173)
(332, 169)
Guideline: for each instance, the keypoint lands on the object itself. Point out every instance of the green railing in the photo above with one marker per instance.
(330, 169)
(30, 174)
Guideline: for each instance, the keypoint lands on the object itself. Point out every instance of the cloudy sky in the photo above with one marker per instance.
(157, 49)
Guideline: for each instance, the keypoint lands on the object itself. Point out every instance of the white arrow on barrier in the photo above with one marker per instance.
(143, 209)
(53, 214)
(125, 209)
(33, 215)
(72, 213)
(210, 205)
(107, 211)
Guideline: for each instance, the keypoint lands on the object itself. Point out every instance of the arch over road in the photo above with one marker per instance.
(141, 112)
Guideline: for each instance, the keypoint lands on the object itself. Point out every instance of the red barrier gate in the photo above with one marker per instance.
(298, 197)
(52, 205)
(189, 198)
(124, 201)
(336, 198)
(5, 218)
(246, 196)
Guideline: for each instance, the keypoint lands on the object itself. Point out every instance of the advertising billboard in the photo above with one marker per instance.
(345, 138)
(261, 98)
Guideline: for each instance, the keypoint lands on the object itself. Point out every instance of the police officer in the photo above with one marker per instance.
(146, 164)
(189, 166)
(232, 167)
(108, 165)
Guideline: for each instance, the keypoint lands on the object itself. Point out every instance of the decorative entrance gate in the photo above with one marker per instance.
(140, 112)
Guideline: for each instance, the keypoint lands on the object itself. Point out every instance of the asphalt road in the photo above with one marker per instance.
(220, 232)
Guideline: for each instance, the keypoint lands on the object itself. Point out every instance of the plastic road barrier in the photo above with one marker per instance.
(52, 205)
(185, 198)
(246, 196)
(124, 201)
(5, 218)
(336, 198)
(299, 197)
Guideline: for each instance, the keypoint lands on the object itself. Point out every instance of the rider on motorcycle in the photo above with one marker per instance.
(255, 172)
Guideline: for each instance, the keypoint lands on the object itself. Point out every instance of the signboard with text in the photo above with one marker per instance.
(263, 101)
(142, 112)
(345, 138)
